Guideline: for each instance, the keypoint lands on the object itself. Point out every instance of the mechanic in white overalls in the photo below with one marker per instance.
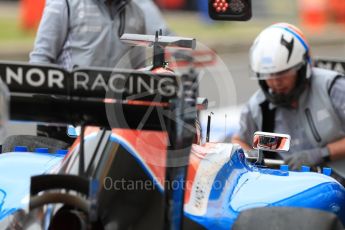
(87, 33)
(294, 98)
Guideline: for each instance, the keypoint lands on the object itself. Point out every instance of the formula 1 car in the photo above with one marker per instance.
(134, 169)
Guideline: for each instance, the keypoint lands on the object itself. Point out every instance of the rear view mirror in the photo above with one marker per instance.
(201, 103)
(273, 142)
(73, 132)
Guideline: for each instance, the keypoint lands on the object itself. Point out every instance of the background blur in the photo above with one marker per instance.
(323, 22)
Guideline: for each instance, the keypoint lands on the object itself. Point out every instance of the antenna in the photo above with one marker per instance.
(208, 127)
(225, 126)
(82, 152)
(158, 51)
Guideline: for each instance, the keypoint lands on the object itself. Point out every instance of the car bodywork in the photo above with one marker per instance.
(220, 182)
(16, 169)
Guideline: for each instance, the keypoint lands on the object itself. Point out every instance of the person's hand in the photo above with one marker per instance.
(310, 157)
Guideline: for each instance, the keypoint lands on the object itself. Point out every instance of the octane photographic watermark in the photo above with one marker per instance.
(214, 82)
(110, 184)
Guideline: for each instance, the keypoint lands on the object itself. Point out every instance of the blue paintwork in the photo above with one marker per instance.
(20, 149)
(241, 186)
(245, 186)
(327, 171)
(16, 169)
(41, 150)
(305, 168)
(284, 168)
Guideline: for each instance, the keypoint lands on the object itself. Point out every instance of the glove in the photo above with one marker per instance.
(310, 157)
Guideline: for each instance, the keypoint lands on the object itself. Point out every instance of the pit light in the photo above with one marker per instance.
(230, 10)
(220, 5)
